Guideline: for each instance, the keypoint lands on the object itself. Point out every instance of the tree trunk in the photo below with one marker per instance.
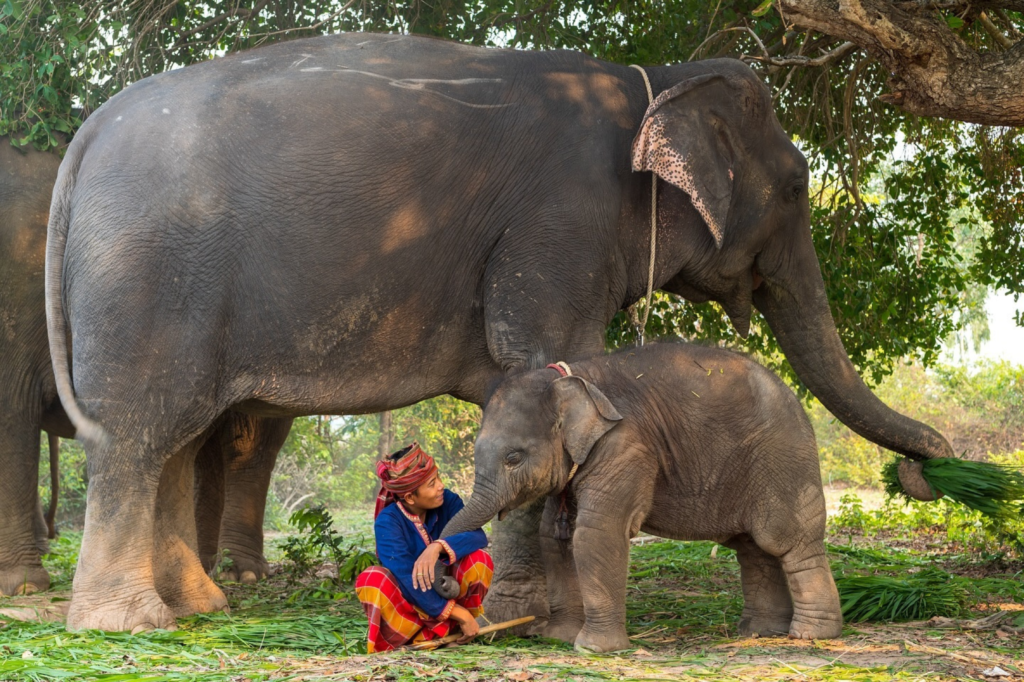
(387, 435)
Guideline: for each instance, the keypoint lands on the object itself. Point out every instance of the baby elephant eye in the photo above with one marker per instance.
(515, 457)
(796, 191)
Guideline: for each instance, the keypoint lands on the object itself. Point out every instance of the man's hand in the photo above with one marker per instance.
(467, 623)
(423, 569)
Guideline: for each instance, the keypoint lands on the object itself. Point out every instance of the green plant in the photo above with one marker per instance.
(994, 490)
(62, 558)
(851, 514)
(931, 592)
(319, 542)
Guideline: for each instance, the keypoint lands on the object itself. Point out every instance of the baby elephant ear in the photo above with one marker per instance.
(585, 413)
(678, 141)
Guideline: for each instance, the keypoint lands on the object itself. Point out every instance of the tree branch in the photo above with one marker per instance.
(800, 60)
(994, 31)
(933, 72)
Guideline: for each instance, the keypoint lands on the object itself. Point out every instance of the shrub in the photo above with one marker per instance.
(318, 542)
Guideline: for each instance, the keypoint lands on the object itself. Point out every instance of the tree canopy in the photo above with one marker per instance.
(914, 218)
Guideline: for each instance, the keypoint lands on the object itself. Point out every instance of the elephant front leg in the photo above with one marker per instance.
(519, 587)
(22, 527)
(566, 603)
(816, 610)
(601, 548)
(250, 446)
(767, 606)
(209, 501)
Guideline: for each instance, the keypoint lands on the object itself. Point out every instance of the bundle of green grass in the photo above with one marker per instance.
(994, 490)
(931, 592)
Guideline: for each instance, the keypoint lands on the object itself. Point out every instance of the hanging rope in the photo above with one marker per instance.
(640, 324)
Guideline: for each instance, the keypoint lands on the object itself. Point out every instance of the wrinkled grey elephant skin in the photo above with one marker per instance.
(28, 395)
(246, 446)
(353, 223)
(675, 440)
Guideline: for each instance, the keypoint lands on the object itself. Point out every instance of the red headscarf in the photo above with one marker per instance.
(402, 472)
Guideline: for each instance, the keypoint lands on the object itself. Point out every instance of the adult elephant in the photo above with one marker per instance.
(237, 459)
(353, 223)
(28, 395)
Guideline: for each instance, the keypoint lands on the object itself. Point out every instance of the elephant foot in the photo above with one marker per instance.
(245, 577)
(245, 571)
(804, 627)
(23, 580)
(119, 613)
(183, 584)
(198, 599)
(602, 642)
(764, 626)
(565, 630)
(194, 593)
(501, 606)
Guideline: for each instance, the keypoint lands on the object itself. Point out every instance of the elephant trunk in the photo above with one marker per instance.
(480, 509)
(799, 316)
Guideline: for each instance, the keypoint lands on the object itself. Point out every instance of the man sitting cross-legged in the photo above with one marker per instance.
(412, 509)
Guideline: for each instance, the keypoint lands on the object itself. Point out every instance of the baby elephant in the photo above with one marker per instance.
(678, 441)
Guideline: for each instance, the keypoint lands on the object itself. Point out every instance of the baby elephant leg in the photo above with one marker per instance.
(566, 602)
(816, 610)
(767, 606)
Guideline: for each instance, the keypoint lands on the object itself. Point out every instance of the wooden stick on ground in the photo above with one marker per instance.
(494, 627)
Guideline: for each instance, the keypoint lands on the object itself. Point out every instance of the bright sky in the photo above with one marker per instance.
(1007, 342)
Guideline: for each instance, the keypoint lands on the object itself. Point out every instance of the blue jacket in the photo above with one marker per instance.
(399, 544)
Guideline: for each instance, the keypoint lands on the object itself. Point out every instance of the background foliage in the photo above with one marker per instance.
(914, 220)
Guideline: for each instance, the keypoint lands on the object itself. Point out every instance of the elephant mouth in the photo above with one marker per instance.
(502, 513)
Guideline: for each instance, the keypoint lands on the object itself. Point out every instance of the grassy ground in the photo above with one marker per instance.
(683, 604)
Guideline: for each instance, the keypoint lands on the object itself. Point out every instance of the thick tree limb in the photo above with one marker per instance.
(933, 71)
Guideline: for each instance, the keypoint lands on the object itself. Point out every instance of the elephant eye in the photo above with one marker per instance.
(514, 458)
(796, 191)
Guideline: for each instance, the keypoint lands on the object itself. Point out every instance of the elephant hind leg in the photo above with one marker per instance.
(22, 528)
(817, 613)
(177, 571)
(767, 605)
(114, 586)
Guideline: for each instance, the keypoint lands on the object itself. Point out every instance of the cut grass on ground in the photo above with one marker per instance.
(683, 604)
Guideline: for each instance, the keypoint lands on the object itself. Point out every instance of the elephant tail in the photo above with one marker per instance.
(86, 429)
(51, 513)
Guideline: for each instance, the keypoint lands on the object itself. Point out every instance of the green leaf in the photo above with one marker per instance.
(954, 22)
(763, 8)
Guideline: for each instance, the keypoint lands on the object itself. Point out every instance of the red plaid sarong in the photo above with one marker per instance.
(394, 621)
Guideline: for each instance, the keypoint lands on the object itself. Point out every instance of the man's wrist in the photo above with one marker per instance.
(447, 549)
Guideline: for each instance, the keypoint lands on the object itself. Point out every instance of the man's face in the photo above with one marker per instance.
(430, 495)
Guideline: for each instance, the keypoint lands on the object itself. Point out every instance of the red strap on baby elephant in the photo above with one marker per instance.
(561, 367)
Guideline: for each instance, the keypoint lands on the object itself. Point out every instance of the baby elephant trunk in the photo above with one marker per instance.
(474, 515)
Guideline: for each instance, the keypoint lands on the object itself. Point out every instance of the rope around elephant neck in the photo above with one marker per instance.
(634, 317)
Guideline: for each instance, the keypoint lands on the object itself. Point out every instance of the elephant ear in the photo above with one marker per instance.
(679, 142)
(585, 414)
